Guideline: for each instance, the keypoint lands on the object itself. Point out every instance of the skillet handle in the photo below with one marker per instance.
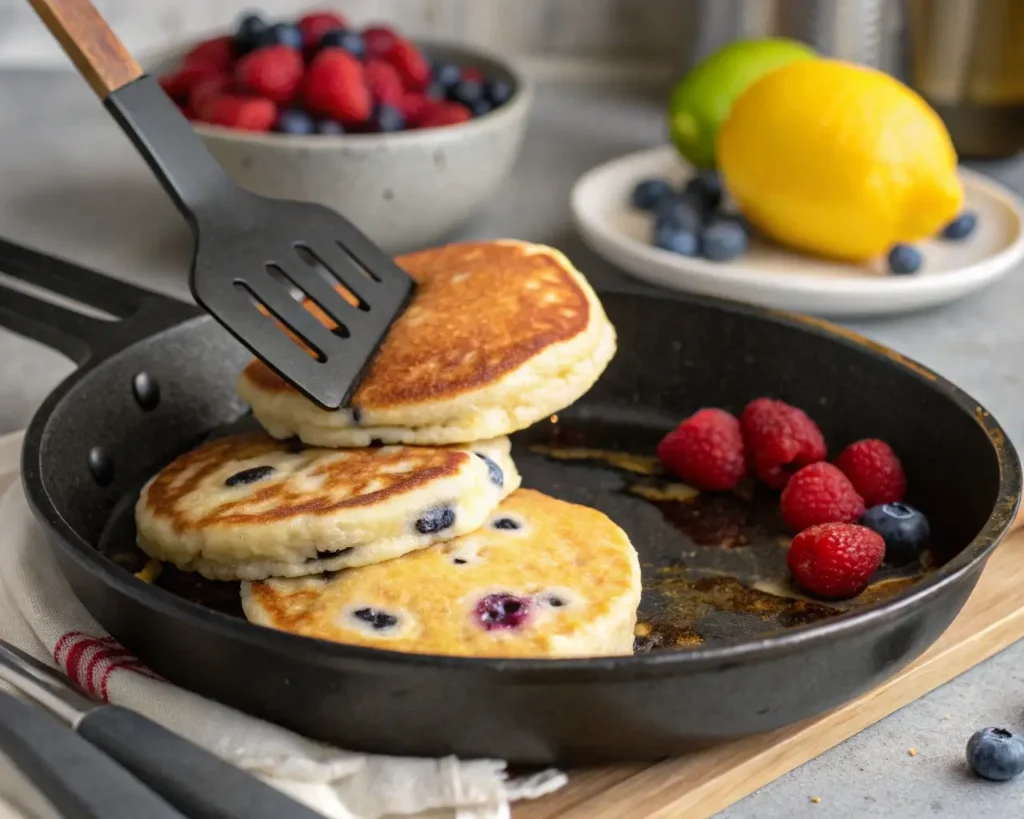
(133, 313)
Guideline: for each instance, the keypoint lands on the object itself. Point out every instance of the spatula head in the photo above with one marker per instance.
(298, 285)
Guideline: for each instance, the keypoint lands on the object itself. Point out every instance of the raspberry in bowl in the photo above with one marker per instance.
(408, 140)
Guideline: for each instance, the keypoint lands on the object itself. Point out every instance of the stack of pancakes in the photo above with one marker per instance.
(398, 522)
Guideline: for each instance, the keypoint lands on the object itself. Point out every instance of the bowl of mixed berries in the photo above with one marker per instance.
(408, 140)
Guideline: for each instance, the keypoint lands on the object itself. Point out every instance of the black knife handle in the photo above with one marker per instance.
(199, 784)
(78, 780)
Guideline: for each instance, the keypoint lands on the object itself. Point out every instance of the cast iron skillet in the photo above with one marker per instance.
(154, 383)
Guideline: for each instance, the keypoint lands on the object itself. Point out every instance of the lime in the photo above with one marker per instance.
(702, 100)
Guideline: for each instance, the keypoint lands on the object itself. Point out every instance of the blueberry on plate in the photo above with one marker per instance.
(904, 259)
(996, 754)
(350, 41)
(904, 530)
(680, 211)
(961, 227)
(330, 127)
(468, 92)
(723, 239)
(248, 34)
(447, 74)
(481, 107)
(647, 195)
(705, 189)
(286, 34)
(294, 122)
(675, 238)
(386, 119)
(498, 92)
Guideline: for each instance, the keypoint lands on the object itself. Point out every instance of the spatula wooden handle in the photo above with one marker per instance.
(97, 53)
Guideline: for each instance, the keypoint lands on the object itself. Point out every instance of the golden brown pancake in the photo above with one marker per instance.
(543, 578)
(249, 506)
(499, 335)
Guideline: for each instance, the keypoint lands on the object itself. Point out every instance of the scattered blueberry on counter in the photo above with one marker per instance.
(961, 227)
(904, 259)
(904, 529)
(996, 754)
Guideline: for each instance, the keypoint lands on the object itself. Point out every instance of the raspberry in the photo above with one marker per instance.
(246, 113)
(780, 439)
(413, 106)
(384, 83)
(706, 450)
(274, 72)
(379, 40)
(819, 493)
(178, 84)
(835, 559)
(335, 87)
(412, 67)
(317, 23)
(207, 90)
(874, 470)
(216, 52)
(444, 113)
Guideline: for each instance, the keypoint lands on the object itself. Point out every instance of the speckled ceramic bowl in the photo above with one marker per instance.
(406, 190)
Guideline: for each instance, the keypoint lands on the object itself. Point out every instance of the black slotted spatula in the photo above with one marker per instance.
(252, 256)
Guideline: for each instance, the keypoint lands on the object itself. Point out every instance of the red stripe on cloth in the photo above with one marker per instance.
(63, 643)
(126, 663)
(103, 655)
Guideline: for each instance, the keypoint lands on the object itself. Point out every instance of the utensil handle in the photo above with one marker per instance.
(201, 785)
(97, 53)
(78, 780)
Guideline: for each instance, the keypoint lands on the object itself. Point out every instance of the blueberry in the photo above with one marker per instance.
(506, 523)
(386, 119)
(468, 92)
(249, 33)
(350, 41)
(481, 107)
(330, 127)
(680, 211)
(380, 620)
(961, 227)
(902, 527)
(670, 236)
(436, 91)
(493, 470)
(458, 561)
(447, 74)
(357, 415)
(326, 554)
(247, 476)
(501, 611)
(295, 122)
(556, 602)
(649, 193)
(722, 240)
(996, 753)
(904, 259)
(435, 519)
(498, 92)
(706, 190)
(286, 34)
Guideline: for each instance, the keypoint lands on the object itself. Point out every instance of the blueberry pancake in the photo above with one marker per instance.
(543, 578)
(248, 506)
(498, 336)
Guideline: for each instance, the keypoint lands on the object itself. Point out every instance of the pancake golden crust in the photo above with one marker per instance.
(498, 335)
(433, 351)
(544, 578)
(249, 506)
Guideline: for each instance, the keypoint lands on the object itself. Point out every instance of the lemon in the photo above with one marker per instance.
(701, 101)
(839, 160)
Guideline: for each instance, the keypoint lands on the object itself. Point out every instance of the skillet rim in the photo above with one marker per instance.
(666, 663)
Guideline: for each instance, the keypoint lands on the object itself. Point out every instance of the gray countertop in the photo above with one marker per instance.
(71, 184)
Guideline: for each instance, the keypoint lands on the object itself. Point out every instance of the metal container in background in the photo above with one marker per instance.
(966, 57)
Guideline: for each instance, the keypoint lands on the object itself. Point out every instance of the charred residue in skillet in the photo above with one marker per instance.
(713, 564)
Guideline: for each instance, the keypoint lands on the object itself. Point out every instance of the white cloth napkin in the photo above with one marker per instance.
(40, 614)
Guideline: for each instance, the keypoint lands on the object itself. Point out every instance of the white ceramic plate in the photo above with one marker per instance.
(772, 276)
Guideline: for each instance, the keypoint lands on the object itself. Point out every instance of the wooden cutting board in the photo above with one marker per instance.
(704, 783)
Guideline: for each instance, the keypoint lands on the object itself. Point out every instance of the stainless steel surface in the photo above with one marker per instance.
(967, 60)
(44, 685)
